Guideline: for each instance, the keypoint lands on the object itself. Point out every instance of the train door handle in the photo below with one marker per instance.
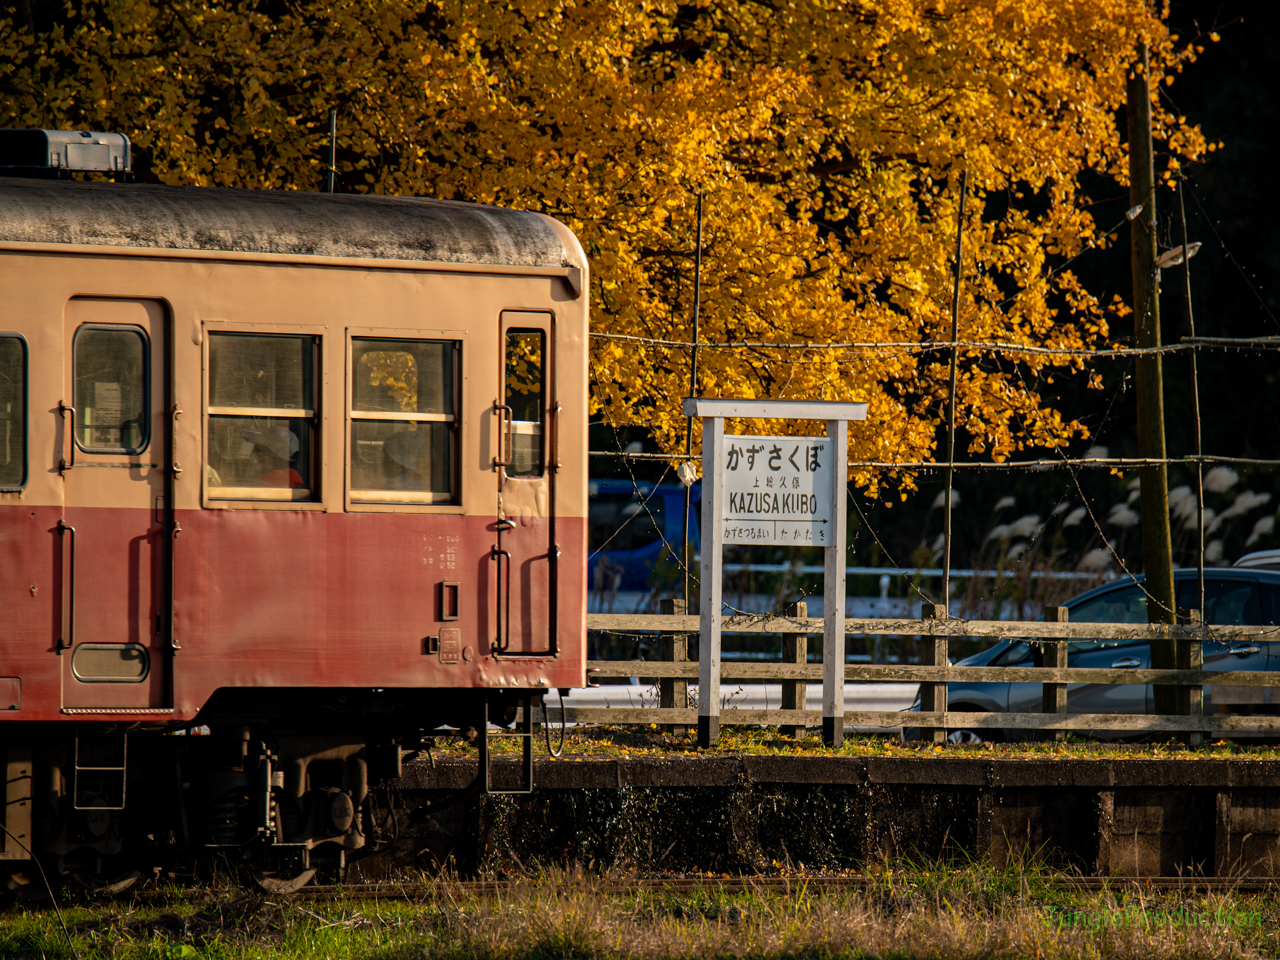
(503, 640)
(1126, 663)
(555, 437)
(504, 441)
(68, 637)
(68, 429)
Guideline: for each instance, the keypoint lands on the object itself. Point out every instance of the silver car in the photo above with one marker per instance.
(1232, 596)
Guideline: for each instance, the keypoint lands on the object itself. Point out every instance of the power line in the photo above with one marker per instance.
(1104, 462)
(988, 346)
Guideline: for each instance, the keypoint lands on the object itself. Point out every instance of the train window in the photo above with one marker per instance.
(262, 417)
(13, 412)
(525, 389)
(404, 419)
(111, 395)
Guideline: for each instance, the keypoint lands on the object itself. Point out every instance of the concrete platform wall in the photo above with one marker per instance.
(1098, 817)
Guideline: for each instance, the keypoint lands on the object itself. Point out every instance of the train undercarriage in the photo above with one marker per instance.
(274, 787)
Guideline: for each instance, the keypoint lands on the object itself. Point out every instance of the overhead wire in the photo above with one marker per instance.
(1111, 463)
(909, 347)
(1231, 256)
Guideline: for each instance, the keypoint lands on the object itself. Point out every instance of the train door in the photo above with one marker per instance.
(115, 451)
(526, 553)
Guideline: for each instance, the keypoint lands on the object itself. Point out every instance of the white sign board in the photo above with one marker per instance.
(777, 490)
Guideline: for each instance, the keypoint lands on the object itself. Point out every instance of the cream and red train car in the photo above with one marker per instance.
(305, 470)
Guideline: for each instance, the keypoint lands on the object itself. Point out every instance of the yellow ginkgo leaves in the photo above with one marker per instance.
(828, 137)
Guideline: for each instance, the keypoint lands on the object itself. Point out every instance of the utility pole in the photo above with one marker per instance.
(693, 392)
(951, 402)
(1157, 544)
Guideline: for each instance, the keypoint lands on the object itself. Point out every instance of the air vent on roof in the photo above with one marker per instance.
(53, 153)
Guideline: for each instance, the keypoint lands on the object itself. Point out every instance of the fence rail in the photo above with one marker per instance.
(1021, 629)
(935, 720)
(877, 673)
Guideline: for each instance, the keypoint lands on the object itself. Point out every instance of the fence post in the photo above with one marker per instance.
(933, 696)
(795, 649)
(674, 648)
(1053, 696)
(1190, 656)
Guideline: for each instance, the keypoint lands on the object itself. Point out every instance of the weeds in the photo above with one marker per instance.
(960, 910)
(652, 740)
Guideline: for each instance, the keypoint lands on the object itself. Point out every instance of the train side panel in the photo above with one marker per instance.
(326, 591)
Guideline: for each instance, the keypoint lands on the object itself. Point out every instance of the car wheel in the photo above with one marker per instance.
(966, 735)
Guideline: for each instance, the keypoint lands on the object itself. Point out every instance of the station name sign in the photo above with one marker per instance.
(777, 490)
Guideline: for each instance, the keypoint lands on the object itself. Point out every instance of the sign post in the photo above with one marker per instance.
(788, 491)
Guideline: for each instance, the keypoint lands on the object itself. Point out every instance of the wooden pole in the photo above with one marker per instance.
(673, 693)
(693, 392)
(1157, 543)
(1191, 652)
(1053, 696)
(1190, 656)
(795, 693)
(1195, 403)
(951, 400)
(935, 653)
(333, 149)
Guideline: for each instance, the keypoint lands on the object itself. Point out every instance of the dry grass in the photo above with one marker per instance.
(966, 912)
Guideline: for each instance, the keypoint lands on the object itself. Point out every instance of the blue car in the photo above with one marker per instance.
(631, 524)
(1232, 597)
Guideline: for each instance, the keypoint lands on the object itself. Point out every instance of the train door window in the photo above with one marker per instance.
(13, 412)
(404, 420)
(525, 382)
(262, 417)
(111, 389)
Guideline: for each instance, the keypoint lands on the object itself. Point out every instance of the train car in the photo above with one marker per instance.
(304, 472)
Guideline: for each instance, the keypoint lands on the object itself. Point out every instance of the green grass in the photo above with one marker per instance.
(908, 911)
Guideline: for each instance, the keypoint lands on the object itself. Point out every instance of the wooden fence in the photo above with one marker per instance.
(674, 672)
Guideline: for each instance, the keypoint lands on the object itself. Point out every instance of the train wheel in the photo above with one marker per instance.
(108, 884)
(281, 882)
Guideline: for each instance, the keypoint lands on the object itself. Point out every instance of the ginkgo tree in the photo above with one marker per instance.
(828, 137)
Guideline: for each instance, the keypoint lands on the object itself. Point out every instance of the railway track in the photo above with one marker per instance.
(753, 883)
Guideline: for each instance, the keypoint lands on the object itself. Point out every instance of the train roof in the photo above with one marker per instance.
(277, 222)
